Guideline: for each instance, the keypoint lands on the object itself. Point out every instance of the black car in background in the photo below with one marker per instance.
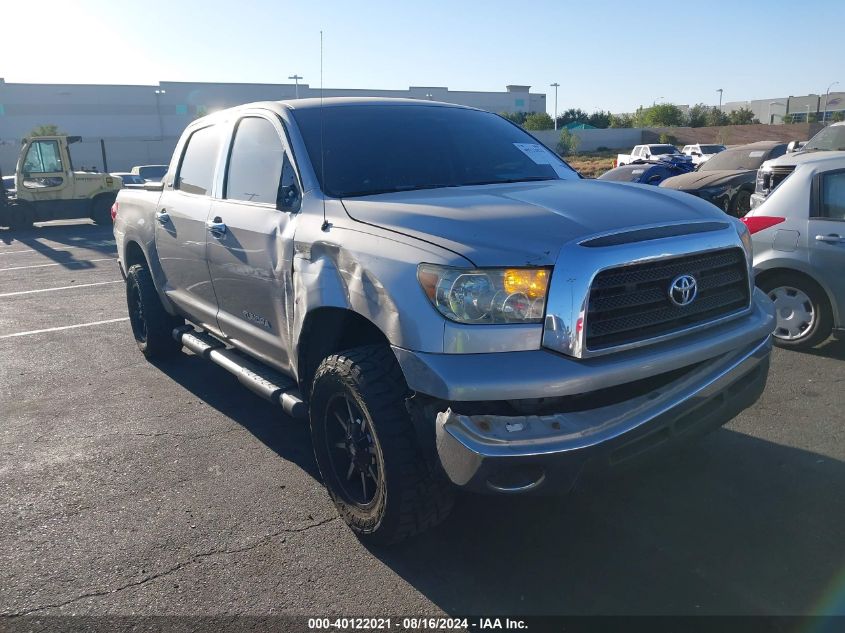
(727, 180)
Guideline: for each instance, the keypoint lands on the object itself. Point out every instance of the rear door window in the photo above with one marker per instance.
(196, 173)
(833, 196)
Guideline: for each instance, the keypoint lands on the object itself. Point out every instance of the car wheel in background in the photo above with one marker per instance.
(367, 449)
(152, 326)
(742, 203)
(804, 317)
(20, 216)
(101, 210)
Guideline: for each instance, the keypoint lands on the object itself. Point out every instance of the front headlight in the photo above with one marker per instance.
(486, 295)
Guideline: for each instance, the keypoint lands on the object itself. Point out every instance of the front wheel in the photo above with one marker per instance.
(742, 203)
(804, 317)
(101, 210)
(367, 449)
(152, 326)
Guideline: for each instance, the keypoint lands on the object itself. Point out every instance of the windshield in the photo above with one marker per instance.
(829, 139)
(663, 149)
(712, 149)
(736, 160)
(370, 149)
(153, 172)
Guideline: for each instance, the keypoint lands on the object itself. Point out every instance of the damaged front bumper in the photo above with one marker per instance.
(550, 452)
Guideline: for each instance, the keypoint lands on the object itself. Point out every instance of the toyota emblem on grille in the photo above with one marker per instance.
(683, 290)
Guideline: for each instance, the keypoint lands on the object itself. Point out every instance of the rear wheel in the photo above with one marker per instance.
(804, 317)
(367, 449)
(152, 326)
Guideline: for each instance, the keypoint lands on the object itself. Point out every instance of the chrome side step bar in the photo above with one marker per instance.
(267, 383)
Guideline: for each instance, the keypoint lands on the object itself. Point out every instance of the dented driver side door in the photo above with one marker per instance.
(250, 239)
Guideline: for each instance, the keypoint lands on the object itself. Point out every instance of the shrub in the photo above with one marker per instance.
(568, 143)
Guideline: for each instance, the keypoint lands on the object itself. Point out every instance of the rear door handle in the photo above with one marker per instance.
(162, 217)
(832, 238)
(216, 227)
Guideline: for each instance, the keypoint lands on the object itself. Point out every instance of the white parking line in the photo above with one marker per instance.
(64, 327)
(80, 261)
(29, 292)
(59, 248)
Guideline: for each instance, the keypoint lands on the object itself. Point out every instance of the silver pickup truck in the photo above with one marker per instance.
(446, 300)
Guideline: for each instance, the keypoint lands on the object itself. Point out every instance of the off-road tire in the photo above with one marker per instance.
(413, 494)
(101, 210)
(152, 326)
(823, 325)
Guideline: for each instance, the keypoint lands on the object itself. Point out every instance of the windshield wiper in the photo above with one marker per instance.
(507, 180)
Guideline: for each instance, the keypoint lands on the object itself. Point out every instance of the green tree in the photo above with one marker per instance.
(45, 130)
(572, 115)
(514, 117)
(599, 119)
(568, 143)
(668, 139)
(538, 121)
(697, 115)
(621, 120)
(662, 115)
(838, 116)
(743, 116)
(716, 117)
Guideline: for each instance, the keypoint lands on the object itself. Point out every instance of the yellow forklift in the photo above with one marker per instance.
(49, 189)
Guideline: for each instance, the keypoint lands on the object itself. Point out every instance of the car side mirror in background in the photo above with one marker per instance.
(793, 146)
(154, 186)
(696, 153)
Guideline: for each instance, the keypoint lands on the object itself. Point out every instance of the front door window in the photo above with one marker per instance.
(42, 166)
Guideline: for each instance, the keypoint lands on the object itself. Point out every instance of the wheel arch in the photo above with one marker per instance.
(780, 269)
(328, 330)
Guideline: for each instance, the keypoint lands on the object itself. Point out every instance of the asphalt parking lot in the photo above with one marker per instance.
(133, 488)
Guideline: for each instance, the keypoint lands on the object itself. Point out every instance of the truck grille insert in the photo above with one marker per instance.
(632, 303)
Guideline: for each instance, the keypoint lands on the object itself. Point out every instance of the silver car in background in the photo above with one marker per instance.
(799, 251)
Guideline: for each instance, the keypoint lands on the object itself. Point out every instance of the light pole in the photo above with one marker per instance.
(808, 113)
(296, 79)
(555, 85)
(158, 94)
(826, 94)
(720, 91)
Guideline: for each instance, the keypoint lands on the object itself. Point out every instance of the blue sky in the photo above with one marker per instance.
(605, 54)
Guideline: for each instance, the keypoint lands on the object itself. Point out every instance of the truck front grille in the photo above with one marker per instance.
(632, 303)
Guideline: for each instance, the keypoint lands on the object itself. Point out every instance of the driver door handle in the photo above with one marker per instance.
(832, 238)
(162, 217)
(216, 227)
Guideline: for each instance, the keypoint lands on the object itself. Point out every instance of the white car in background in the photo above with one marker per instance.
(654, 151)
(702, 153)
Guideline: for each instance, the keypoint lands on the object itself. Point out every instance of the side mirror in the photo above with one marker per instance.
(154, 186)
(696, 153)
(289, 199)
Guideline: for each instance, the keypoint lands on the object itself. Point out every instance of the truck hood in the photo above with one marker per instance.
(700, 179)
(524, 223)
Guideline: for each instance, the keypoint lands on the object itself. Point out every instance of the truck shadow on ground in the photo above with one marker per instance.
(49, 240)
(733, 525)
